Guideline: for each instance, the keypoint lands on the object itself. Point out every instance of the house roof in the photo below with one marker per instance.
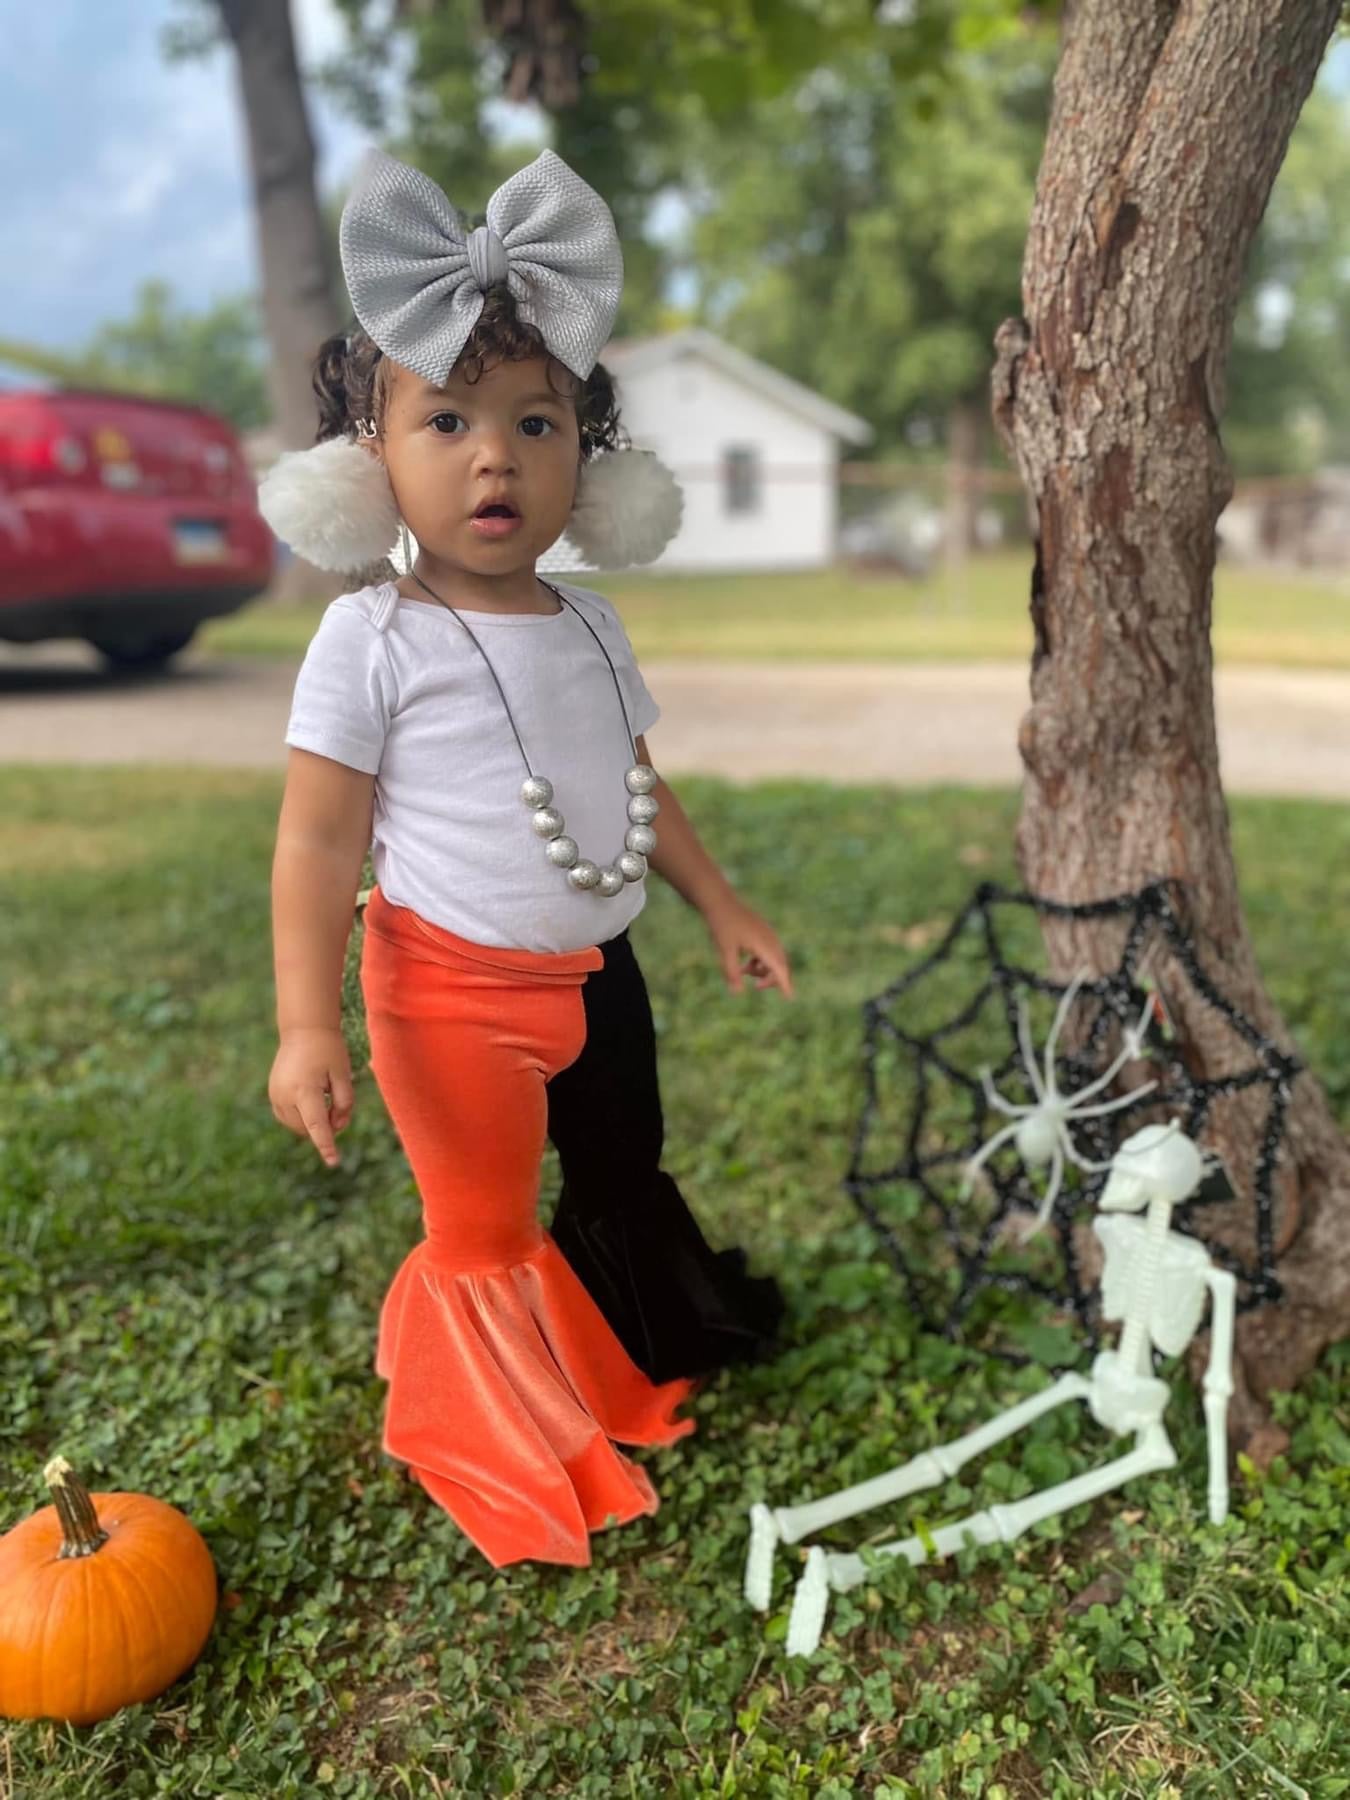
(630, 356)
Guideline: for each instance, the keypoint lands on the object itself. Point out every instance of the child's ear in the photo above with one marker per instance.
(369, 437)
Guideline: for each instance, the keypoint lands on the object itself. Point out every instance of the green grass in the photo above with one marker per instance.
(981, 613)
(188, 1301)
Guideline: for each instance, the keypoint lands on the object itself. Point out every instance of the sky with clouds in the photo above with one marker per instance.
(124, 166)
(131, 166)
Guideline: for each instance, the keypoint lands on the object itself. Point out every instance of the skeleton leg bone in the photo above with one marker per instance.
(996, 1524)
(788, 1524)
(810, 1603)
(1004, 1522)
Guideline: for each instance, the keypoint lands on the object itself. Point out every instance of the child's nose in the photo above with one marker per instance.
(496, 453)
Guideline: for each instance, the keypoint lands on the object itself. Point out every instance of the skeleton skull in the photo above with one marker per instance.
(1156, 1159)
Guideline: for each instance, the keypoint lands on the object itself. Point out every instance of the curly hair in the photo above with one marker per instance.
(351, 375)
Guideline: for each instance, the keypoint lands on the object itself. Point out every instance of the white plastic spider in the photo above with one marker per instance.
(1041, 1131)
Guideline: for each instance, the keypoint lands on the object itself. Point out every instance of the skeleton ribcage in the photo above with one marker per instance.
(1174, 1310)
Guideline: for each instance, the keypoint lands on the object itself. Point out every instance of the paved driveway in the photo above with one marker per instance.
(910, 724)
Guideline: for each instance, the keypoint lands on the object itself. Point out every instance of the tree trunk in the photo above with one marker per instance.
(1170, 121)
(297, 286)
(544, 42)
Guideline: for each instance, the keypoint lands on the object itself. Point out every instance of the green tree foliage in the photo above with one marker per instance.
(1289, 389)
(212, 358)
(867, 249)
(657, 75)
(859, 176)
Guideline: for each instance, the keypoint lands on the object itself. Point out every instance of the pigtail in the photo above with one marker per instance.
(329, 381)
(598, 415)
(349, 382)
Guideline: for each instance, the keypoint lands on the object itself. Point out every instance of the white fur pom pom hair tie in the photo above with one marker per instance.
(628, 507)
(332, 504)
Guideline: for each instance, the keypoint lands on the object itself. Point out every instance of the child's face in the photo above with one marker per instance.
(509, 437)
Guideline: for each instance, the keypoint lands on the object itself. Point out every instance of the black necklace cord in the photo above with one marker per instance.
(632, 742)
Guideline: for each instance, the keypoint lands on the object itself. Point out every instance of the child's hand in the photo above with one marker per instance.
(310, 1065)
(737, 929)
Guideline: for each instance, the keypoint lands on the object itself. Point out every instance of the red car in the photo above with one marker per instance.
(124, 520)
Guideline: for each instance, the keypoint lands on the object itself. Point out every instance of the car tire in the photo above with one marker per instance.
(143, 652)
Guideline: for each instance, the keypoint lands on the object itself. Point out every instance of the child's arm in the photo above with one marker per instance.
(681, 859)
(323, 833)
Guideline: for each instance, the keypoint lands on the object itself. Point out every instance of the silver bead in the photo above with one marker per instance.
(584, 874)
(611, 882)
(640, 838)
(548, 822)
(562, 852)
(642, 809)
(632, 866)
(641, 779)
(536, 790)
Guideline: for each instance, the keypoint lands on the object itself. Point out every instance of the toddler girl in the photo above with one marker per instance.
(482, 731)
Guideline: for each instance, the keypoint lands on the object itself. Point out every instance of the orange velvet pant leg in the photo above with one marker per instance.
(506, 1384)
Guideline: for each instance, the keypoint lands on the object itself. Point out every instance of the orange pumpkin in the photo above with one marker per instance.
(105, 1599)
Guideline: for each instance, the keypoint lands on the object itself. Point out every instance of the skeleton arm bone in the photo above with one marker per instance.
(1218, 1387)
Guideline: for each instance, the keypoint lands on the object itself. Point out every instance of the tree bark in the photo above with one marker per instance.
(299, 310)
(1169, 124)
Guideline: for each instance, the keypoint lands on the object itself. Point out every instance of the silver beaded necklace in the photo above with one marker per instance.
(537, 790)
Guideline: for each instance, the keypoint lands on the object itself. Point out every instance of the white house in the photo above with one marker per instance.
(754, 451)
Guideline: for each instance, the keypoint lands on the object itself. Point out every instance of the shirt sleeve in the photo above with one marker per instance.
(344, 693)
(645, 710)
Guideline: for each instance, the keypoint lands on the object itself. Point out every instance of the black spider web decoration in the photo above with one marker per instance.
(923, 1182)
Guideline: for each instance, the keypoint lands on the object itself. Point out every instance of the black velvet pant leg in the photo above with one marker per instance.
(677, 1307)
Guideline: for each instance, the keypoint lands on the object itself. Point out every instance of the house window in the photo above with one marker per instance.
(741, 482)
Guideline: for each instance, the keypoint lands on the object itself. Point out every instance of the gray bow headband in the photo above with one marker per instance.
(417, 279)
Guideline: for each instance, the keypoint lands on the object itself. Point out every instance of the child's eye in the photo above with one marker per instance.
(537, 419)
(436, 423)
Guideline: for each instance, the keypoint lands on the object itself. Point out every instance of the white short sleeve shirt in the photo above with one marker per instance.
(396, 688)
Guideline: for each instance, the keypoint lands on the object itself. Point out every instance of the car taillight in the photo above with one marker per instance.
(36, 456)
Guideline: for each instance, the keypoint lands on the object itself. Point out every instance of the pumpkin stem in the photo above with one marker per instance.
(81, 1533)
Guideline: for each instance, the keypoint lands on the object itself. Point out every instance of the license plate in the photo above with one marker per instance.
(198, 541)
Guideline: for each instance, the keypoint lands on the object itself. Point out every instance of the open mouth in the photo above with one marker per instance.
(495, 519)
